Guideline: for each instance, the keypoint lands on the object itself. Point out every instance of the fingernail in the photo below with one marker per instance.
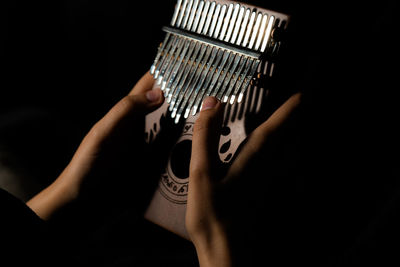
(153, 95)
(209, 102)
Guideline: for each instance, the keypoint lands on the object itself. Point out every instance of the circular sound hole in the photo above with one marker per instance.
(180, 159)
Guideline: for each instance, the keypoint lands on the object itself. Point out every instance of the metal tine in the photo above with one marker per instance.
(174, 72)
(173, 41)
(181, 13)
(176, 12)
(229, 76)
(208, 80)
(237, 25)
(192, 14)
(177, 58)
(193, 17)
(214, 20)
(220, 20)
(263, 94)
(235, 79)
(216, 34)
(225, 71)
(213, 80)
(227, 115)
(275, 48)
(198, 15)
(241, 78)
(232, 23)
(188, 81)
(234, 111)
(242, 107)
(267, 33)
(260, 97)
(264, 67)
(226, 22)
(248, 79)
(271, 71)
(173, 95)
(248, 104)
(267, 67)
(183, 98)
(209, 17)
(176, 68)
(163, 55)
(199, 73)
(209, 67)
(187, 14)
(161, 50)
(183, 70)
(203, 17)
(249, 29)
(261, 32)
(168, 60)
(171, 89)
(252, 91)
(243, 27)
(218, 73)
(255, 31)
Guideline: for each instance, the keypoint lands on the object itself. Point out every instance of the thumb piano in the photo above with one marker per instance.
(224, 49)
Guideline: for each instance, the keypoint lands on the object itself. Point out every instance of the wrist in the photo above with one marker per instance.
(213, 249)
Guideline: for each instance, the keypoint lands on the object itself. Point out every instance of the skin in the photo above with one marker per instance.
(206, 228)
(93, 148)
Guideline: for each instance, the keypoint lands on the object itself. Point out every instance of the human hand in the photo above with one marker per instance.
(94, 152)
(207, 222)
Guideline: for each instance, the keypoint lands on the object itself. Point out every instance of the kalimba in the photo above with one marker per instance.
(217, 48)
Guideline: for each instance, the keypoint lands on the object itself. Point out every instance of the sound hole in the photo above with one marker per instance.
(180, 159)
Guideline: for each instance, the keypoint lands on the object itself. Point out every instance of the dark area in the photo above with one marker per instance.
(328, 192)
(180, 159)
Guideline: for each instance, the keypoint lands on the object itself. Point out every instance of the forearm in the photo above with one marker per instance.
(67, 186)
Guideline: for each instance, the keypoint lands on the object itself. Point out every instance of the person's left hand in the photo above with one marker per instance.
(94, 151)
(210, 210)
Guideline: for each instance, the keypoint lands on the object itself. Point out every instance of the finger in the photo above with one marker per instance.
(143, 85)
(128, 109)
(257, 139)
(205, 138)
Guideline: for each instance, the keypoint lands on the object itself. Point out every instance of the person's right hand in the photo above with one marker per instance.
(205, 223)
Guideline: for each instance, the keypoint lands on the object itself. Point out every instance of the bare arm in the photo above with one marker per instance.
(140, 101)
(206, 227)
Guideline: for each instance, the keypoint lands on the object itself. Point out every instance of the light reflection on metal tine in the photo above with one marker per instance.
(171, 90)
(214, 48)
(166, 54)
(186, 73)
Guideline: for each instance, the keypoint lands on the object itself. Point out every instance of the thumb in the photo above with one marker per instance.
(205, 139)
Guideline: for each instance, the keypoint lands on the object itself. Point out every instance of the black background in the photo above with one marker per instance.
(333, 188)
